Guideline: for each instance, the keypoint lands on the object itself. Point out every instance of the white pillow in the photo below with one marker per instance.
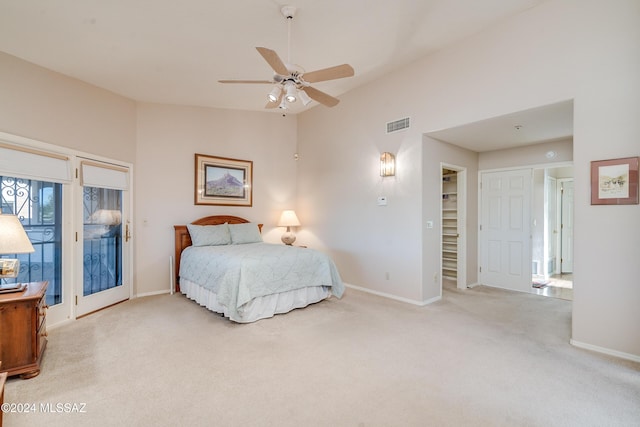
(244, 233)
(209, 235)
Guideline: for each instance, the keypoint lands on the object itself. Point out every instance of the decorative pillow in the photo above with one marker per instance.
(244, 233)
(209, 235)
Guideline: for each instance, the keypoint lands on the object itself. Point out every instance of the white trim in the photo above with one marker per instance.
(603, 350)
(394, 297)
(150, 294)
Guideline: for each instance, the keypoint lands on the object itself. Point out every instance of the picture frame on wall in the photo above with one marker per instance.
(223, 181)
(615, 181)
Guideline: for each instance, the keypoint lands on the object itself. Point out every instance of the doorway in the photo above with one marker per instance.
(453, 230)
(552, 232)
(104, 259)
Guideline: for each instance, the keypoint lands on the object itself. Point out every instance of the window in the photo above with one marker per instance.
(102, 239)
(38, 204)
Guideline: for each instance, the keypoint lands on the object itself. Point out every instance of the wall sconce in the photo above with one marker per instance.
(387, 164)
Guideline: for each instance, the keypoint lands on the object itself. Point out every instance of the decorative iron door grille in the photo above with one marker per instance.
(38, 205)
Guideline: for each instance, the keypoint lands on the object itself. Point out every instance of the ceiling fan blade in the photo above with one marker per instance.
(274, 60)
(247, 81)
(331, 73)
(321, 97)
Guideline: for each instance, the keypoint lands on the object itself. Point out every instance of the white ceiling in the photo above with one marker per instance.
(543, 124)
(174, 52)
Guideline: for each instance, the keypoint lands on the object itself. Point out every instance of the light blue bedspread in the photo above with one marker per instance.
(239, 273)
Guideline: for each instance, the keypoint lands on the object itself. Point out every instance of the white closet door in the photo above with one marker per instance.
(505, 235)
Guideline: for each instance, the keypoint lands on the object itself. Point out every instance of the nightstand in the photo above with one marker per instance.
(23, 330)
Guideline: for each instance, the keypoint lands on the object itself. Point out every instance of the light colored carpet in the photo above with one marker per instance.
(480, 357)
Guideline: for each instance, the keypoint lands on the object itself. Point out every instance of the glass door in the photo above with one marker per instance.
(104, 236)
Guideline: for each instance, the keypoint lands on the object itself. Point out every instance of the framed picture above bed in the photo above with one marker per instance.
(223, 181)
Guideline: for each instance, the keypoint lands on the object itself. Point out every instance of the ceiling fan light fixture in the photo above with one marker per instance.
(275, 93)
(292, 92)
(304, 97)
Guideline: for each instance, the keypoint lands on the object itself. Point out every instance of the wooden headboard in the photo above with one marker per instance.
(183, 238)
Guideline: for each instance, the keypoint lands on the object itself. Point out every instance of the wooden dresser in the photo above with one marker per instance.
(23, 330)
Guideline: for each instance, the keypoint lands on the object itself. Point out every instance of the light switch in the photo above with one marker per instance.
(382, 201)
(429, 224)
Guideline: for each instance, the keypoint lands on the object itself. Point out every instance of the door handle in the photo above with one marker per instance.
(127, 234)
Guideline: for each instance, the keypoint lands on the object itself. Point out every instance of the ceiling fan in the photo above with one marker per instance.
(291, 81)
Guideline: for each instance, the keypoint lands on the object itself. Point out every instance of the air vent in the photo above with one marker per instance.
(398, 125)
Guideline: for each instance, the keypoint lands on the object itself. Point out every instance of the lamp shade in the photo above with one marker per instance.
(13, 238)
(288, 219)
(275, 93)
(291, 91)
(304, 97)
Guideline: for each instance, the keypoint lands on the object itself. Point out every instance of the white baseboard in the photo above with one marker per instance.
(393, 297)
(149, 294)
(607, 351)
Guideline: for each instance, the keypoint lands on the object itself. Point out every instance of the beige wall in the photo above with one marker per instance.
(585, 51)
(338, 186)
(46, 106)
(168, 138)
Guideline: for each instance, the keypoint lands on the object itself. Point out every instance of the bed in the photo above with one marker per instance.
(222, 264)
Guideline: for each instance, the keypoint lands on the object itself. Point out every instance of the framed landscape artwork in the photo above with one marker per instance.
(223, 181)
(614, 182)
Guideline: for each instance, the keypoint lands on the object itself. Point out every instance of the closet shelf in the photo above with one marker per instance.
(449, 251)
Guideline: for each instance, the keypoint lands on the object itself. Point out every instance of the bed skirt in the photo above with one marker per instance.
(258, 308)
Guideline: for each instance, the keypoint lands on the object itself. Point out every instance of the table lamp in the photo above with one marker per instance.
(13, 240)
(288, 219)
